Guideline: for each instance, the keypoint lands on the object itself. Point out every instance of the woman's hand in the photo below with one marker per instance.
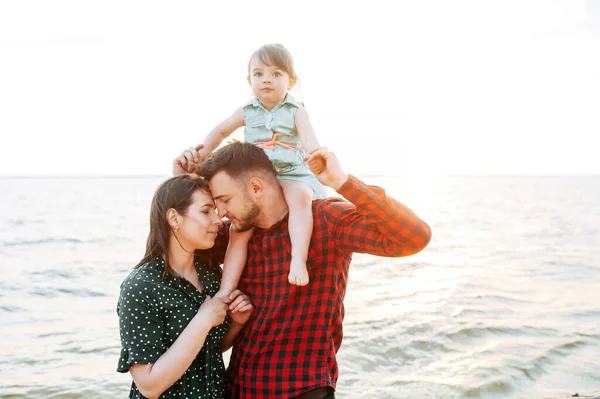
(213, 310)
(240, 307)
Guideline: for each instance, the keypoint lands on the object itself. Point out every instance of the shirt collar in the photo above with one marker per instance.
(255, 102)
(291, 100)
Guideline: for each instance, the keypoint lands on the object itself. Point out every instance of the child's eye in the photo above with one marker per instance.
(257, 74)
(277, 74)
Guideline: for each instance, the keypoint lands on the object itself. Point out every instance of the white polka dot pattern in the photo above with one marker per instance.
(153, 312)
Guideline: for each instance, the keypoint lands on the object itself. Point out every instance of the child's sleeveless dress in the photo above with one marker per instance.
(275, 132)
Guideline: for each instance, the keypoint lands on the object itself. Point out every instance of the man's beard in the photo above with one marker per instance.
(247, 222)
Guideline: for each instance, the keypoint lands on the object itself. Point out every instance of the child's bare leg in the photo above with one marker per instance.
(298, 196)
(235, 260)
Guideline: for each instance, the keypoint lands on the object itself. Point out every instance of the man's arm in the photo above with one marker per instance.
(375, 223)
(372, 222)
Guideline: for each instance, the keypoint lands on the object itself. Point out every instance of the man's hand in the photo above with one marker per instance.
(326, 167)
(188, 160)
(240, 308)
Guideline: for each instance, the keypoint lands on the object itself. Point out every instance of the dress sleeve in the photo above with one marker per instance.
(140, 325)
(373, 222)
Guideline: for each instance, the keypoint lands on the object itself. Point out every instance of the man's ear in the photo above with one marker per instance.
(256, 186)
(173, 219)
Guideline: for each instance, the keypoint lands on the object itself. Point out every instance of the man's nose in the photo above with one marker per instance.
(221, 212)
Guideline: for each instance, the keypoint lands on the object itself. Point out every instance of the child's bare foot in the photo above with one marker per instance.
(298, 273)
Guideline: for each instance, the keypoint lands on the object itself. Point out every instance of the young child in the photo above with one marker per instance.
(280, 125)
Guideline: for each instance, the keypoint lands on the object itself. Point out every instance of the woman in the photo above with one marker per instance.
(172, 331)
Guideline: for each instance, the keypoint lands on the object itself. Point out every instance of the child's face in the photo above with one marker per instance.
(269, 83)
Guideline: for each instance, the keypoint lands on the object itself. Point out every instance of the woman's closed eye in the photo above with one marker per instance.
(206, 209)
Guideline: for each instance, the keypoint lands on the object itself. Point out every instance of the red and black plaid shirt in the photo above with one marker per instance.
(290, 343)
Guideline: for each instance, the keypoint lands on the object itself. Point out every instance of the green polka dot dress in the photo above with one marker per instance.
(154, 311)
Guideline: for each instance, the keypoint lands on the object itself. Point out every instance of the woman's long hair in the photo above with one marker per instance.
(175, 192)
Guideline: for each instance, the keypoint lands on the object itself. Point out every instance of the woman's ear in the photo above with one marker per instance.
(173, 219)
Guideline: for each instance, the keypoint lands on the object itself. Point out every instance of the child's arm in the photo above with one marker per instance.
(308, 138)
(306, 131)
(221, 132)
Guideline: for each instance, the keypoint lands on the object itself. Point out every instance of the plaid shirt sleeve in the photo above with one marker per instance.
(374, 223)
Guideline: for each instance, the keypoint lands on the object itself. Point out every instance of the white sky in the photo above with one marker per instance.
(395, 87)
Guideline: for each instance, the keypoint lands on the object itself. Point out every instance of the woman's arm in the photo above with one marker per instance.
(153, 379)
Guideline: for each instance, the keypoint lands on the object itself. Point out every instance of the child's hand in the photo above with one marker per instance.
(332, 174)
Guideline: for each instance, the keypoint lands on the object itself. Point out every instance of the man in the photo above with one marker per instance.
(288, 348)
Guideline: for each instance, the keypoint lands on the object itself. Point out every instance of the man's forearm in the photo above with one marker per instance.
(229, 338)
(386, 223)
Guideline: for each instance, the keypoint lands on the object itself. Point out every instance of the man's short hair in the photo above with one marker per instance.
(237, 159)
